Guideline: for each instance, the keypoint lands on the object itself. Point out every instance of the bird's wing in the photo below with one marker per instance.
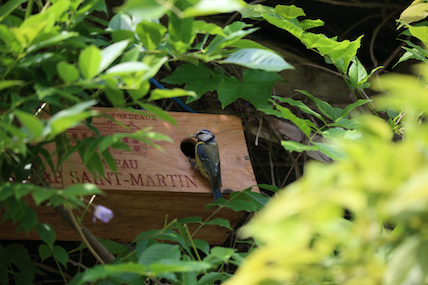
(208, 153)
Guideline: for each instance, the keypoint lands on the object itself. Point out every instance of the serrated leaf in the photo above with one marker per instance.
(198, 78)
(60, 254)
(290, 11)
(256, 87)
(44, 251)
(303, 124)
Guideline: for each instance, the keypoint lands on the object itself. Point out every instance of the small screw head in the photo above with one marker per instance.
(246, 157)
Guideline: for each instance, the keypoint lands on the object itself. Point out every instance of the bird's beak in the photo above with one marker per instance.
(192, 136)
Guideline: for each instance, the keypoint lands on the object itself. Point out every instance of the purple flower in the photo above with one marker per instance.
(102, 213)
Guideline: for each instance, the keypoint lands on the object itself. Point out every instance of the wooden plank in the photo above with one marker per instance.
(151, 184)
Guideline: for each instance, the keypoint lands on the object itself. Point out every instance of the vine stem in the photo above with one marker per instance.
(79, 230)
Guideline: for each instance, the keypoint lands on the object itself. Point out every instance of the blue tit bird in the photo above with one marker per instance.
(208, 160)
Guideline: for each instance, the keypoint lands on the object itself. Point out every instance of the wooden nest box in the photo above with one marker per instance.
(151, 184)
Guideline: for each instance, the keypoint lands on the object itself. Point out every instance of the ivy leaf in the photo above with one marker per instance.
(198, 78)
(255, 87)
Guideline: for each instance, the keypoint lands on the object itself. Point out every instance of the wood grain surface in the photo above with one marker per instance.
(151, 184)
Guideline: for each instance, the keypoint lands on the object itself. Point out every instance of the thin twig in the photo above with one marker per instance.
(375, 32)
(256, 142)
(320, 67)
(52, 270)
(362, 5)
(289, 172)
(77, 264)
(358, 23)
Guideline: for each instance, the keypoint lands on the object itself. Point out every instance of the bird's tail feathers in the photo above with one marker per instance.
(217, 193)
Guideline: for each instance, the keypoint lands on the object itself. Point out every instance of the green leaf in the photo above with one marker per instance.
(131, 55)
(408, 262)
(158, 252)
(147, 10)
(109, 159)
(111, 53)
(245, 44)
(298, 147)
(256, 87)
(420, 32)
(357, 72)
(220, 222)
(28, 221)
(60, 254)
(272, 188)
(303, 124)
(330, 150)
(310, 24)
(202, 245)
(89, 62)
(340, 133)
(139, 93)
(198, 78)
(54, 40)
(323, 106)
(158, 94)
(258, 59)
(350, 107)
(202, 27)
(222, 253)
(300, 105)
(233, 32)
(121, 22)
(210, 278)
(115, 96)
(44, 251)
(47, 234)
(208, 7)
(128, 67)
(68, 118)
(158, 112)
(150, 34)
(40, 195)
(8, 7)
(34, 125)
(81, 190)
(68, 72)
(9, 83)
(289, 12)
